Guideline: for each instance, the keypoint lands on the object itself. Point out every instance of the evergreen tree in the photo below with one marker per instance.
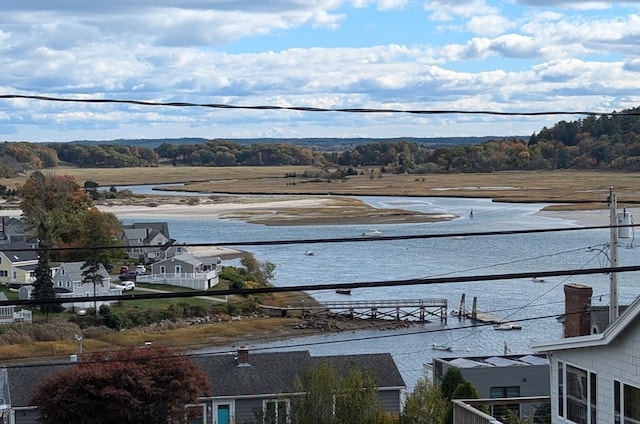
(43, 284)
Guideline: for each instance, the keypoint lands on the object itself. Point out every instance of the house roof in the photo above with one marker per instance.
(495, 361)
(145, 230)
(380, 365)
(624, 321)
(183, 257)
(28, 254)
(26, 378)
(14, 228)
(268, 373)
(74, 270)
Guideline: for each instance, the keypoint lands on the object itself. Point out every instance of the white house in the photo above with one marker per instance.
(595, 378)
(186, 270)
(8, 314)
(68, 283)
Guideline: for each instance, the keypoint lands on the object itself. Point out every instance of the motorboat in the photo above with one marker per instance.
(507, 326)
(441, 347)
(371, 233)
(309, 253)
(343, 291)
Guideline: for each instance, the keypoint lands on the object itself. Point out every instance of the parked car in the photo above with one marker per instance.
(127, 285)
(124, 269)
(141, 270)
(128, 276)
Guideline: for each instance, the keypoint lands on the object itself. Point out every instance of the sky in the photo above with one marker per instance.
(515, 56)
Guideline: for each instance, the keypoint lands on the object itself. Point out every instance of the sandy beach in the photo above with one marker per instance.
(307, 210)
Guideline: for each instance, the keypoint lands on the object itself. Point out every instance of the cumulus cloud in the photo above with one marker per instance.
(468, 54)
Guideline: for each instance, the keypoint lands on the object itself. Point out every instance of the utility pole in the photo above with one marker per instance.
(613, 257)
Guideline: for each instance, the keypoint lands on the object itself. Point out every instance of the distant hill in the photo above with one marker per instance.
(316, 143)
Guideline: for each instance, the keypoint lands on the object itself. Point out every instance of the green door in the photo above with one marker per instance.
(224, 415)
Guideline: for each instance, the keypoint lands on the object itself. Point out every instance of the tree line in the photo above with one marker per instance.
(610, 142)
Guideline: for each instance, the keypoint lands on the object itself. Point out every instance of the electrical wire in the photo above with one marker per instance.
(336, 240)
(312, 109)
(369, 284)
(302, 344)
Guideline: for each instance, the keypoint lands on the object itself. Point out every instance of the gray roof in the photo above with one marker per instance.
(380, 365)
(268, 373)
(276, 372)
(496, 361)
(145, 230)
(28, 254)
(600, 316)
(23, 380)
(74, 270)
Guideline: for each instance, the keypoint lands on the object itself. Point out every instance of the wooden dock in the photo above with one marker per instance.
(420, 310)
(484, 318)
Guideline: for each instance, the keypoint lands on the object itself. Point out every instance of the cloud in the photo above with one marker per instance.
(440, 54)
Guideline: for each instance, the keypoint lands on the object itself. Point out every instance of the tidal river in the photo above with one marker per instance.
(536, 304)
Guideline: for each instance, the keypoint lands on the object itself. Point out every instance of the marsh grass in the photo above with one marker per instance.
(588, 188)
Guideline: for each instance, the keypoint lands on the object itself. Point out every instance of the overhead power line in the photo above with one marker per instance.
(344, 239)
(313, 109)
(370, 284)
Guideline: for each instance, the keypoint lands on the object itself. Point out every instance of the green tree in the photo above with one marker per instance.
(97, 235)
(331, 398)
(425, 404)
(465, 390)
(257, 271)
(450, 381)
(43, 284)
(146, 385)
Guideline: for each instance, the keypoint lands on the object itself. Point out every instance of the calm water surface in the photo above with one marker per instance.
(423, 258)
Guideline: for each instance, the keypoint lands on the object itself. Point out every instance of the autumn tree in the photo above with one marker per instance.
(99, 239)
(54, 206)
(145, 385)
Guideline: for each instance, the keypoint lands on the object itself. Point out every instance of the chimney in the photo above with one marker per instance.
(243, 356)
(577, 300)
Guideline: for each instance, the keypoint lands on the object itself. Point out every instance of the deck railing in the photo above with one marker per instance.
(465, 411)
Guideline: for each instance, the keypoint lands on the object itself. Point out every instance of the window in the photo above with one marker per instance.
(162, 269)
(500, 411)
(275, 411)
(626, 403)
(576, 394)
(4, 273)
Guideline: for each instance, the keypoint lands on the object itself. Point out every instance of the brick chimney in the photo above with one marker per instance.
(243, 356)
(577, 300)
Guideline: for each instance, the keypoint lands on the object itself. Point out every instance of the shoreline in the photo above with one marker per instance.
(308, 210)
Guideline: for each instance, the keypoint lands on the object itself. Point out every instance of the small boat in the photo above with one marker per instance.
(538, 280)
(343, 291)
(371, 233)
(309, 253)
(507, 326)
(441, 347)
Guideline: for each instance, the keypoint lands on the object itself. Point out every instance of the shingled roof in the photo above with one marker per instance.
(265, 373)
